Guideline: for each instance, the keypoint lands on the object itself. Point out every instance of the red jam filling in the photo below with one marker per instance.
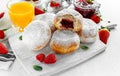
(67, 23)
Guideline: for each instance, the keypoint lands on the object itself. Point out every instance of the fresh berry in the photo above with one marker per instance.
(50, 59)
(40, 57)
(96, 18)
(38, 11)
(2, 34)
(104, 34)
(54, 4)
(3, 49)
(2, 14)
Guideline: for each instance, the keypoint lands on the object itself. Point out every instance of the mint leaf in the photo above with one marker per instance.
(5, 29)
(37, 68)
(20, 38)
(84, 47)
(44, 10)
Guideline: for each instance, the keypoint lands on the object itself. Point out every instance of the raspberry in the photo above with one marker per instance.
(40, 57)
(50, 59)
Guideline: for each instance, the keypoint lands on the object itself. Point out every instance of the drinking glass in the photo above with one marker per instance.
(21, 13)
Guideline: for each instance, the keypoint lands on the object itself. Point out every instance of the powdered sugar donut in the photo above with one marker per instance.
(68, 19)
(48, 18)
(89, 31)
(37, 35)
(64, 41)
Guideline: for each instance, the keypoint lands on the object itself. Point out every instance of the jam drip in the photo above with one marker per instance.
(67, 23)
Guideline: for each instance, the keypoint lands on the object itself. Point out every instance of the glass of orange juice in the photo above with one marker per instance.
(21, 13)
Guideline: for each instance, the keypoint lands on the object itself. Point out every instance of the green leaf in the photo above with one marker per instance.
(37, 67)
(20, 37)
(84, 47)
(44, 10)
(104, 28)
(5, 29)
(108, 29)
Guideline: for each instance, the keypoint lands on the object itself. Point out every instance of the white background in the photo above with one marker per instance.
(106, 64)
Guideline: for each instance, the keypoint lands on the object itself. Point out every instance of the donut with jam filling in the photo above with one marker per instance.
(68, 19)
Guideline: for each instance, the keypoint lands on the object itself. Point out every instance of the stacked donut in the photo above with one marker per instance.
(64, 31)
(65, 39)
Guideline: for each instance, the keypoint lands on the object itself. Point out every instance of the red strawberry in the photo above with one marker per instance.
(104, 34)
(50, 59)
(95, 18)
(2, 34)
(40, 57)
(2, 14)
(54, 4)
(38, 11)
(3, 49)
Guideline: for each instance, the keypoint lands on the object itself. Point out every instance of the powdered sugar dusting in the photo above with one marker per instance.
(74, 13)
(48, 18)
(65, 37)
(36, 34)
(89, 31)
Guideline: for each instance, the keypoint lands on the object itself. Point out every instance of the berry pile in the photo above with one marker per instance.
(49, 59)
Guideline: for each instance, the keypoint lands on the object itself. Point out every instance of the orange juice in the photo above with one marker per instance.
(21, 14)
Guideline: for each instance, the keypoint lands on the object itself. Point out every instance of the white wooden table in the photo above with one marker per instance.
(106, 64)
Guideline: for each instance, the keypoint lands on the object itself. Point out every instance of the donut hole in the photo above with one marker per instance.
(67, 23)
